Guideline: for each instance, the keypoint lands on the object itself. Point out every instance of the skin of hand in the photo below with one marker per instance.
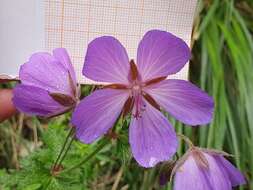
(7, 108)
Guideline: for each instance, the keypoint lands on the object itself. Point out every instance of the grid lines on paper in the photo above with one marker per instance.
(74, 23)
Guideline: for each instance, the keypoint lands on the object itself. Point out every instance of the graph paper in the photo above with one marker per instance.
(72, 24)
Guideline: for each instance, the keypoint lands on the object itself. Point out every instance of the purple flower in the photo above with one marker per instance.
(48, 84)
(140, 89)
(206, 169)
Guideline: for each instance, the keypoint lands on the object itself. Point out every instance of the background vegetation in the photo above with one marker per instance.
(222, 65)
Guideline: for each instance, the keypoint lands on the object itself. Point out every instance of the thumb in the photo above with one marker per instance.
(7, 108)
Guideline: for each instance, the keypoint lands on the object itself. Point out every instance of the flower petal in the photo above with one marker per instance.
(160, 54)
(97, 113)
(152, 138)
(218, 178)
(106, 61)
(46, 72)
(235, 176)
(189, 176)
(35, 101)
(62, 55)
(192, 176)
(183, 100)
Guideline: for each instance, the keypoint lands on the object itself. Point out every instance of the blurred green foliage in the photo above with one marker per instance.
(222, 65)
(224, 50)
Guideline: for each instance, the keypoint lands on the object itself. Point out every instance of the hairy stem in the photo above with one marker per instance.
(186, 139)
(67, 149)
(63, 147)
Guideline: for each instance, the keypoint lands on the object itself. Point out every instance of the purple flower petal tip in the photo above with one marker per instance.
(201, 170)
(47, 81)
(152, 138)
(106, 60)
(161, 53)
(184, 101)
(62, 55)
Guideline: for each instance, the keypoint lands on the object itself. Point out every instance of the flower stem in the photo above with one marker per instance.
(63, 147)
(87, 158)
(186, 139)
(48, 183)
(67, 149)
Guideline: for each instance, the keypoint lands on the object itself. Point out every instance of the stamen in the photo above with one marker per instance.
(137, 104)
(140, 107)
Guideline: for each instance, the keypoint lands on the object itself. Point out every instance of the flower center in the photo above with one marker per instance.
(136, 103)
(136, 88)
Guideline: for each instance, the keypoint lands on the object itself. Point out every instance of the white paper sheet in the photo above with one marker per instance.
(74, 23)
(22, 32)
